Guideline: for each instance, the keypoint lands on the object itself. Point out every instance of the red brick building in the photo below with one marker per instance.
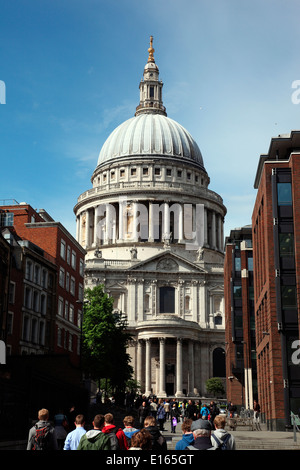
(276, 252)
(46, 284)
(241, 380)
(5, 253)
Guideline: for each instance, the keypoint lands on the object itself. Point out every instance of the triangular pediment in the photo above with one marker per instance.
(167, 262)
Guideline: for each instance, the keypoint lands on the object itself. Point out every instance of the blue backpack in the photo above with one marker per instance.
(222, 445)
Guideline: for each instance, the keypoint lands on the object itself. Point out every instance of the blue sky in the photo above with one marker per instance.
(72, 70)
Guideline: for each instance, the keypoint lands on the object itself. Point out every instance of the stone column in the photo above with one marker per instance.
(205, 228)
(148, 368)
(121, 228)
(179, 391)
(139, 355)
(151, 223)
(180, 224)
(78, 228)
(166, 226)
(162, 375)
(213, 230)
(87, 228)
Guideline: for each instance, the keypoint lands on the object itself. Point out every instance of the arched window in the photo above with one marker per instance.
(219, 369)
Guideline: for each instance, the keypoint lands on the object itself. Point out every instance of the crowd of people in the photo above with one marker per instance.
(202, 428)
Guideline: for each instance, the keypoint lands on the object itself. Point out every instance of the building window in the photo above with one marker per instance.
(81, 267)
(284, 194)
(179, 173)
(26, 329)
(28, 296)
(286, 244)
(44, 278)
(70, 342)
(73, 260)
(60, 306)
(66, 310)
(289, 296)
(157, 171)
(10, 322)
(42, 333)
(6, 219)
(237, 292)
(169, 172)
(43, 304)
(145, 171)
(71, 313)
(37, 274)
(34, 330)
(29, 271)
(72, 285)
(36, 303)
(61, 277)
(237, 264)
(122, 173)
(67, 282)
(133, 171)
(80, 292)
(79, 317)
(167, 299)
(69, 255)
(187, 301)
(12, 292)
(147, 302)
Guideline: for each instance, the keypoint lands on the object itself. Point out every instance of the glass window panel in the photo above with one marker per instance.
(286, 244)
(288, 296)
(237, 292)
(284, 194)
(237, 264)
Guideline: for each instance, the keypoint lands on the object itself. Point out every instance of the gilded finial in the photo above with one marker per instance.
(151, 51)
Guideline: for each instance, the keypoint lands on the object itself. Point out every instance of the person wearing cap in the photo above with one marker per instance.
(201, 429)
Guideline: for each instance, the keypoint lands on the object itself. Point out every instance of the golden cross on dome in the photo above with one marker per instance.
(151, 51)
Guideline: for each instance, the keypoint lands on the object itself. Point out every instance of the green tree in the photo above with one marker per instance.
(215, 386)
(104, 340)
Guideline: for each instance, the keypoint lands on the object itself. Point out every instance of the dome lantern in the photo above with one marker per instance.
(151, 87)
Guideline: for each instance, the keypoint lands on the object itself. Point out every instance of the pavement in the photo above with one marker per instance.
(246, 439)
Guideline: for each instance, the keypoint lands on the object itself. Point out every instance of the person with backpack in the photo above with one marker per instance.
(114, 431)
(159, 443)
(95, 439)
(220, 438)
(41, 436)
(129, 428)
(201, 429)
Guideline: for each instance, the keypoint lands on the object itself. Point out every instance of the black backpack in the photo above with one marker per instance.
(41, 438)
(222, 445)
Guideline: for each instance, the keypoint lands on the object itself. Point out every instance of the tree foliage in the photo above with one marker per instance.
(105, 339)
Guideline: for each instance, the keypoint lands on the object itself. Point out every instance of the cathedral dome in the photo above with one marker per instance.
(151, 134)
